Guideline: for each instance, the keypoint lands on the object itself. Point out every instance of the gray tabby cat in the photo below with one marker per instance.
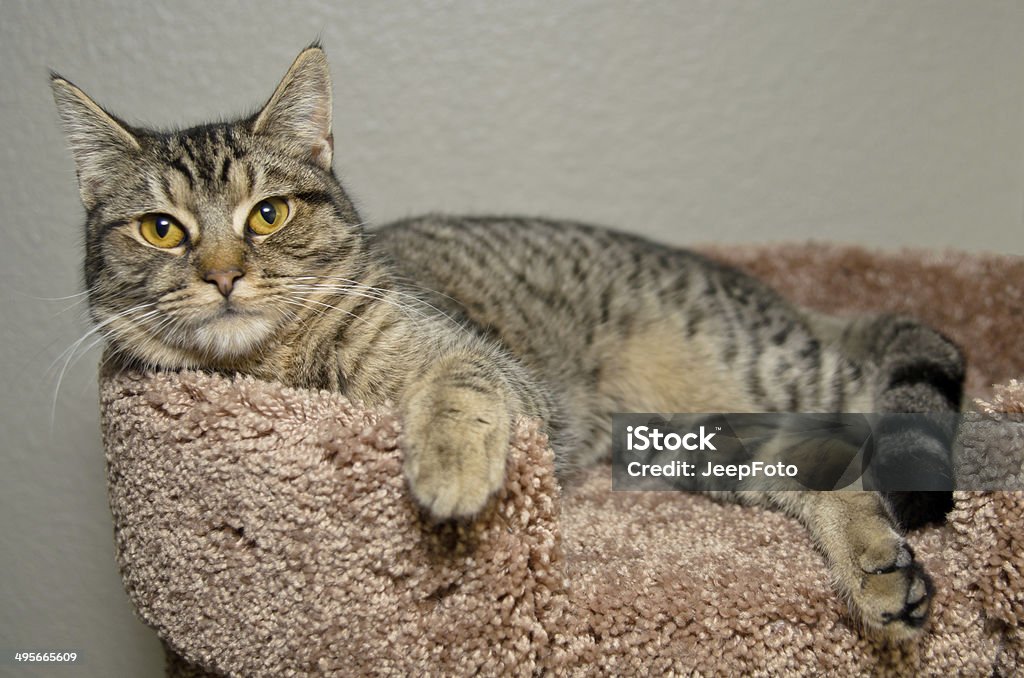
(232, 247)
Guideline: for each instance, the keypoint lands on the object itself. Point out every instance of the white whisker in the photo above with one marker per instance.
(71, 351)
(404, 295)
(321, 309)
(70, 296)
(354, 292)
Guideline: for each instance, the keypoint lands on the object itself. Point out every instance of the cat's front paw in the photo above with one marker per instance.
(456, 444)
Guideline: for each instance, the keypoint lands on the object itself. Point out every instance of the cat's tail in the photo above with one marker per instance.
(918, 391)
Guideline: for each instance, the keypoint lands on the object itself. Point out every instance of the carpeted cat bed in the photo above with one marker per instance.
(263, 530)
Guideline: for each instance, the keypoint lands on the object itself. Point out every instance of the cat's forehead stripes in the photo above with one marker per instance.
(204, 155)
(206, 162)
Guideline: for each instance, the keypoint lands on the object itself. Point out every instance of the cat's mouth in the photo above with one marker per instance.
(224, 332)
(233, 333)
(227, 331)
(230, 310)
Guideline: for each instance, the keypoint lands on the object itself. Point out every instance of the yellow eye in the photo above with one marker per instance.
(161, 230)
(268, 216)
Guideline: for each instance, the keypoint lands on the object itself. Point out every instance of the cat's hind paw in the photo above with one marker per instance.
(892, 597)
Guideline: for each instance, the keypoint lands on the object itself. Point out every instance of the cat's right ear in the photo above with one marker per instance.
(299, 113)
(98, 141)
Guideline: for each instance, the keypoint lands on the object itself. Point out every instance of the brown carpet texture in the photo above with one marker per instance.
(266, 531)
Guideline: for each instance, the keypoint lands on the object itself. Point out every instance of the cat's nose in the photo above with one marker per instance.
(224, 280)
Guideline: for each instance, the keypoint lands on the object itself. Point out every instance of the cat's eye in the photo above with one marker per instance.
(268, 216)
(161, 230)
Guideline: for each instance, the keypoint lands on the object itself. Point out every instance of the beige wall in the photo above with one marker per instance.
(882, 123)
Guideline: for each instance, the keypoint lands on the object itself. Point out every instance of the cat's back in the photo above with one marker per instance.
(551, 273)
(535, 282)
(494, 265)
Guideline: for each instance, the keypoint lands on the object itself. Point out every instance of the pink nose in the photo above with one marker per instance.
(225, 280)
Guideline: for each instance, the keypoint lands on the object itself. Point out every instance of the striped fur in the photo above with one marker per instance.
(466, 323)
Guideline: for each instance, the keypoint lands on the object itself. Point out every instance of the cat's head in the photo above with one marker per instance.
(202, 244)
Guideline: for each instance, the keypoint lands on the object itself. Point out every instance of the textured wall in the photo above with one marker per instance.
(874, 122)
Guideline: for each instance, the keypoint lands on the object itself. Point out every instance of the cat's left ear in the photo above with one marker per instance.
(299, 113)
